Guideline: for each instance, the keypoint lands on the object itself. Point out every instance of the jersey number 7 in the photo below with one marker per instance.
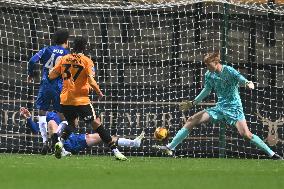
(68, 74)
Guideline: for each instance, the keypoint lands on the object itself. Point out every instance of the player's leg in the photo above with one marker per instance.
(42, 125)
(55, 126)
(52, 127)
(70, 113)
(245, 132)
(52, 131)
(129, 142)
(193, 121)
(88, 114)
(94, 139)
(42, 104)
(235, 116)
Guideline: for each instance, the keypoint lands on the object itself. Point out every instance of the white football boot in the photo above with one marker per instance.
(164, 149)
(118, 155)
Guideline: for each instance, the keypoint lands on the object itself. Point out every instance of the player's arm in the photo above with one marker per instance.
(94, 85)
(55, 71)
(241, 79)
(92, 82)
(30, 123)
(32, 63)
(185, 105)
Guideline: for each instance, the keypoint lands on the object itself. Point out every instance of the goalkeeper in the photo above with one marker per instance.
(225, 81)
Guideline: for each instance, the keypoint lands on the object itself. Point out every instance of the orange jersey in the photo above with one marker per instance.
(75, 70)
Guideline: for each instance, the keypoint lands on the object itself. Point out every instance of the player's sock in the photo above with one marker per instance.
(260, 144)
(105, 136)
(127, 142)
(180, 136)
(66, 132)
(45, 148)
(42, 127)
(54, 139)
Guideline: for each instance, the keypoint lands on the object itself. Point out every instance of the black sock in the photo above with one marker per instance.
(54, 139)
(112, 145)
(105, 136)
(66, 132)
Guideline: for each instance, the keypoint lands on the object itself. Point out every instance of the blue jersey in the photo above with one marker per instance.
(226, 86)
(48, 56)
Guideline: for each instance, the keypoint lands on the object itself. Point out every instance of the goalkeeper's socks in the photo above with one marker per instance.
(42, 127)
(260, 144)
(180, 136)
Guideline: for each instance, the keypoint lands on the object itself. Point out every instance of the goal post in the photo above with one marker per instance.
(149, 58)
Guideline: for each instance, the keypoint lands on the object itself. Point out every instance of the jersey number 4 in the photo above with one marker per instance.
(52, 61)
(67, 73)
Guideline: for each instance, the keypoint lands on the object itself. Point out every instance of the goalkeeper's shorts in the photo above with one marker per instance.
(229, 115)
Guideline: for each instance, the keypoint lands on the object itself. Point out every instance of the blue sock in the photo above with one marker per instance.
(182, 134)
(260, 144)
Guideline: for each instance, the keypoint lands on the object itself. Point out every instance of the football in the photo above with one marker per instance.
(161, 133)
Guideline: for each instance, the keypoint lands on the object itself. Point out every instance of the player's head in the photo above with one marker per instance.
(61, 37)
(212, 61)
(79, 44)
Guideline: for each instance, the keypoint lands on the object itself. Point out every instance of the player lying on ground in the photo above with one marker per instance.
(225, 81)
(77, 72)
(35, 126)
(75, 142)
(49, 91)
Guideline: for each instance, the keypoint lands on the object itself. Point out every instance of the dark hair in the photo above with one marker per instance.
(60, 37)
(79, 44)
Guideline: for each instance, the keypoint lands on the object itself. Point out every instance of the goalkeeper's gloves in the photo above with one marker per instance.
(185, 105)
(250, 84)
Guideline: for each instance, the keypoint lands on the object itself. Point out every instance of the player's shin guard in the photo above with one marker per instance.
(180, 136)
(260, 144)
(105, 136)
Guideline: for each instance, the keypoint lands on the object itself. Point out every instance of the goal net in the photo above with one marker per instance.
(149, 58)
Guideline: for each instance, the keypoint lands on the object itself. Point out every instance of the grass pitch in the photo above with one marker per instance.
(101, 172)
